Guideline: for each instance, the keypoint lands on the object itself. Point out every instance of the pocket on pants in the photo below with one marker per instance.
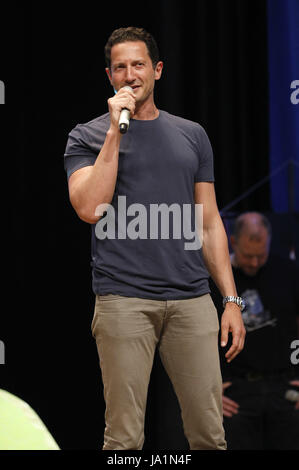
(102, 307)
(93, 322)
(95, 316)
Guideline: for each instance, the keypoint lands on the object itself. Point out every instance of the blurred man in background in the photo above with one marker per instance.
(260, 388)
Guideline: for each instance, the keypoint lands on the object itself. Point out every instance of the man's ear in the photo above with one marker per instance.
(158, 70)
(109, 74)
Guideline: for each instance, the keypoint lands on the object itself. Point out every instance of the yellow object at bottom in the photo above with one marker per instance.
(20, 427)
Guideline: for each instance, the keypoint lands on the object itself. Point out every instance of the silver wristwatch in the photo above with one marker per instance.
(237, 300)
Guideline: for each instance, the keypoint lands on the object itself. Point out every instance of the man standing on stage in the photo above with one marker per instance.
(151, 287)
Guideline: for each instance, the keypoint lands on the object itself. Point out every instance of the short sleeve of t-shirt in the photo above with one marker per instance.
(84, 144)
(205, 171)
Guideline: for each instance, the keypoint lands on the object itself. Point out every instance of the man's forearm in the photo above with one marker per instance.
(96, 185)
(216, 256)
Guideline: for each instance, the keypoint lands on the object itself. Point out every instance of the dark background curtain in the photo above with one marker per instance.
(52, 63)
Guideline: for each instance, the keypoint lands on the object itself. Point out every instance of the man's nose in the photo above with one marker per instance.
(129, 76)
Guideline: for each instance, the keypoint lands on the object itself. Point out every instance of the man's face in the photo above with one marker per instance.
(251, 255)
(131, 66)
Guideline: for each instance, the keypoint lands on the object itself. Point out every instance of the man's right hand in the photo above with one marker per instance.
(230, 407)
(124, 98)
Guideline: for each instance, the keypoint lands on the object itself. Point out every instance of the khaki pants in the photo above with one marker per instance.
(127, 331)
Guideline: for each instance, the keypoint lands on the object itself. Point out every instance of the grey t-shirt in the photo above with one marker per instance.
(136, 251)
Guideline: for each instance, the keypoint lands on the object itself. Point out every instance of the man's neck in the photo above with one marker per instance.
(146, 111)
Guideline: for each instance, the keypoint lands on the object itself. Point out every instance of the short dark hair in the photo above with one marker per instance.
(132, 33)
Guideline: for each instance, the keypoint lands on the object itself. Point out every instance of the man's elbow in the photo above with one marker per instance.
(87, 217)
(83, 212)
(88, 214)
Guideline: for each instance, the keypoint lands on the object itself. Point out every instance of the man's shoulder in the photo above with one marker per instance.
(181, 122)
(277, 268)
(92, 131)
(279, 261)
(95, 123)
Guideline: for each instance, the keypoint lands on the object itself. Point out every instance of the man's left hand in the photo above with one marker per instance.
(232, 322)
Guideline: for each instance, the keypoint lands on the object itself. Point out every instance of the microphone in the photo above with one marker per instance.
(292, 395)
(124, 118)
